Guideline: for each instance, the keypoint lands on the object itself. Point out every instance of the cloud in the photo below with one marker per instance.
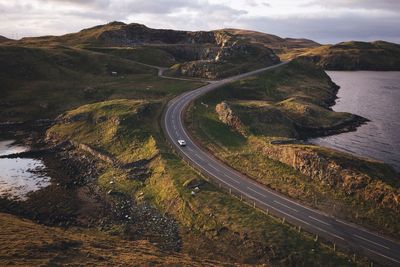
(348, 26)
(390, 5)
(324, 21)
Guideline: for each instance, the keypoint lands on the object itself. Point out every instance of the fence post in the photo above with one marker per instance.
(299, 229)
(230, 191)
(316, 238)
(334, 247)
(283, 220)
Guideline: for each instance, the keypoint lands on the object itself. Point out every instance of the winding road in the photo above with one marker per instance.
(360, 241)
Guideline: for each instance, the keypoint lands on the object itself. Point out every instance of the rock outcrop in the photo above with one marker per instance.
(328, 171)
(227, 116)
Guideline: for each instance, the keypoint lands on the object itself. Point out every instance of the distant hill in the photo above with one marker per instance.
(4, 39)
(206, 54)
(378, 55)
(272, 41)
(219, 53)
(121, 34)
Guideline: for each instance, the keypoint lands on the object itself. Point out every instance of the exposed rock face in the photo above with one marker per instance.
(201, 54)
(227, 116)
(327, 171)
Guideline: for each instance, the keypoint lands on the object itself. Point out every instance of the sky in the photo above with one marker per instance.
(325, 21)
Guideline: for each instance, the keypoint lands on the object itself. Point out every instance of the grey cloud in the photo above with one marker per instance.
(349, 26)
(24, 18)
(390, 5)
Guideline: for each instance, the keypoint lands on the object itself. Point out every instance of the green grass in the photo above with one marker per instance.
(267, 116)
(352, 55)
(147, 55)
(44, 82)
(218, 222)
(290, 102)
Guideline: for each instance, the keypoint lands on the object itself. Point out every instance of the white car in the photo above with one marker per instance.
(181, 142)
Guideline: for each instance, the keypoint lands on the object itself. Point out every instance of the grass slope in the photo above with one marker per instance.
(352, 55)
(213, 224)
(44, 82)
(25, 243)
(266, 116)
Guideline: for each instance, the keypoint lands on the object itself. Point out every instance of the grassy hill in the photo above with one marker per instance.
(4, 39)
(42, 82)
(25, 243)
(353, 55)
(108, 104)
(212, 224)
(207, 54)
(272, 41)
(254, 125)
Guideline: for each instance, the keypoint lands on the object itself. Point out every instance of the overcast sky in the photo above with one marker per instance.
(325, 21)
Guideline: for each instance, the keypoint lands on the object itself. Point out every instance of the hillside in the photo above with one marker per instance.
(256, 126)
(138, 166)
(118, 191)
(4, 39)
(353, 55)
(20, 246)
(57, 78)
(206, 54)
(272, 41)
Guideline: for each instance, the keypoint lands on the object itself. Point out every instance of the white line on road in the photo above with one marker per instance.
(211, 166)
(363, 238)
(380, 254)
(318, 220)
(255, 191)
(332, 234)
(277, 202)
(232, 179)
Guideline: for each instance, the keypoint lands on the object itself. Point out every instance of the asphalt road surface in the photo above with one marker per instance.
(376, 247)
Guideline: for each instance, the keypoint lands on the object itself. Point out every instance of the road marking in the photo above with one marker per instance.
(211, 166)
(197, 155)
(287, 214)
(190, 149)
(363, 238)
(256, 191)
(232, 180)
(365, 231)
(277, 202)
(323, 230)
(318, 220)
(380, 254)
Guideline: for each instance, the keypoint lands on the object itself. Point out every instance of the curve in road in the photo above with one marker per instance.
(361, 241)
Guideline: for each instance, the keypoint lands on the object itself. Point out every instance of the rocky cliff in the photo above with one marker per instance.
(325, 169)
(227, 116)
(207, 54)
